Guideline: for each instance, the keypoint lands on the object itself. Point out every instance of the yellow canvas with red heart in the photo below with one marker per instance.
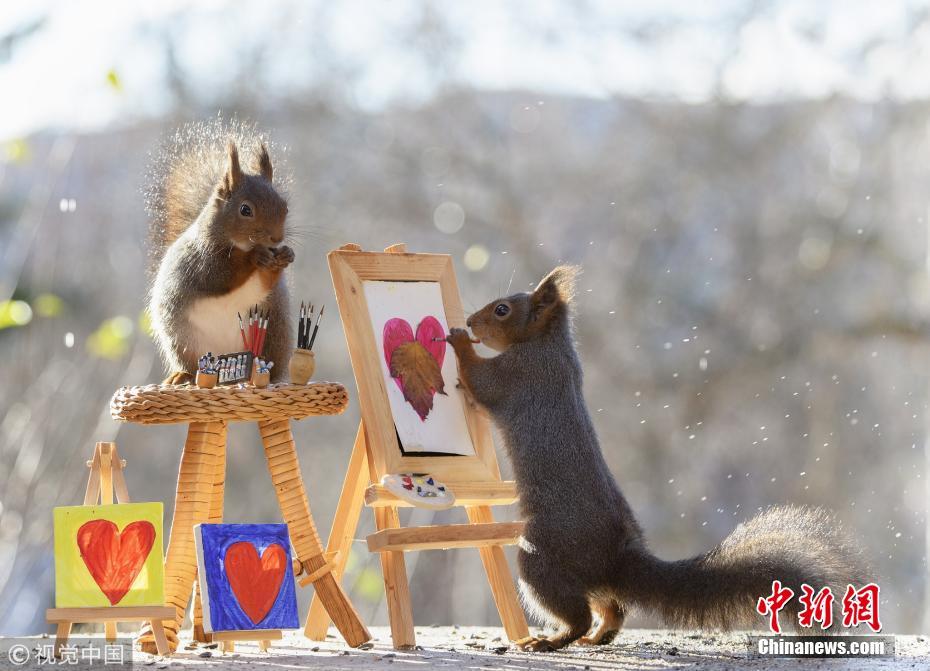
(109, 555)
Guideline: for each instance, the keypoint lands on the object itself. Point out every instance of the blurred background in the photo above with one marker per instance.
(745, 184)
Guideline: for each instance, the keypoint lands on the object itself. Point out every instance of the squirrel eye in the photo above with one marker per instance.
(245, 210)
(502, 310)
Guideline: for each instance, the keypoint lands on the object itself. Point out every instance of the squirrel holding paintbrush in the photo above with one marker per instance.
(582, 550)
(218, 218)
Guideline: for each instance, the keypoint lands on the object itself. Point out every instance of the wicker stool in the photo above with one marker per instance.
(202, 476)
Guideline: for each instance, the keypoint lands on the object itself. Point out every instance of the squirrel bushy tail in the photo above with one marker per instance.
(719, 589)
(186, 169)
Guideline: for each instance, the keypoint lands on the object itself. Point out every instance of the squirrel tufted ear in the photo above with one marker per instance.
(232, 178)
(556, 287)
(264, 163)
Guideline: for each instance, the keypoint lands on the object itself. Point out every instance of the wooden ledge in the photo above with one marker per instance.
(445, 537)
(248, 635)
(110, 614)
(502, 493)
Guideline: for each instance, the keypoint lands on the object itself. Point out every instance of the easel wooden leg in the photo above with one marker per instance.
(345, 523)
(292, 498)
(161, 641)
(500, 580)
(61, 637)
(109, 629)
(396, 587)
(205, 445)
(215, 516)
(263, 646)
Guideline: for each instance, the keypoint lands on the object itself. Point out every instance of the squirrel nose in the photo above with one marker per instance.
(468, 322)
(276, 238)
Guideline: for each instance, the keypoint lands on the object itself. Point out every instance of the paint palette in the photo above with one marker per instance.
(246, 577)
(420, 490)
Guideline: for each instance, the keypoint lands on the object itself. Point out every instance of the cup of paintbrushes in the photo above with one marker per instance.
(301, 366)
(260, 380)
(205, 380)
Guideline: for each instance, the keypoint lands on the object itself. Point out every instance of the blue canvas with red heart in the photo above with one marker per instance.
(246, 577)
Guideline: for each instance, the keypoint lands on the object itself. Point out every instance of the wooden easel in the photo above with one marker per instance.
(475, 481)
(106, 477)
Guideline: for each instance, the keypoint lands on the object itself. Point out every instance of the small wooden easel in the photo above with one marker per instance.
(106, 476)
(475, 480)
(264, 637)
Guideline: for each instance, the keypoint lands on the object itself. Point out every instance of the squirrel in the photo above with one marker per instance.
(216, 234)
(582, 549)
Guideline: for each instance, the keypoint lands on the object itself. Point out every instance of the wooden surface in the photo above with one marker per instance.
(281, 456)
(444, 537)
(350, 270)
(345, 523)
(109, 614)
(500, 493)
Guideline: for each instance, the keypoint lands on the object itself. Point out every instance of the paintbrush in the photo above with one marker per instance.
(446, 339)
(245, 342)
(263, 331)
(316, 328)
(251, 342)
(308, 324)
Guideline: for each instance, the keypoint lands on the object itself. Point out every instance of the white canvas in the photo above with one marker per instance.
(444, 429)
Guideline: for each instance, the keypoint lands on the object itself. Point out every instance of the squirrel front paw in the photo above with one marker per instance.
(283, 256)
(263, 257)
(459, 339)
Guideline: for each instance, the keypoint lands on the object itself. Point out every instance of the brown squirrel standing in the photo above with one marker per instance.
(216, 239)
(583, 549)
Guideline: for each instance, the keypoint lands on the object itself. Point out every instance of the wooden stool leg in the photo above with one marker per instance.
(264, 645)
(215, 516)
(161, 641)
(289, 485)
(500, 579)
(61, 637)
(205, 444)
(109, 629)
(344, 525)
(396, 587)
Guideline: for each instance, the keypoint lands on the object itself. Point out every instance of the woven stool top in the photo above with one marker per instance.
(174, 404)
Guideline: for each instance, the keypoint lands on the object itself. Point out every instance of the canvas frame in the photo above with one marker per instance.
(350, 269)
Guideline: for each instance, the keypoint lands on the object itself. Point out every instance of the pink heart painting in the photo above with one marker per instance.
(415, 362)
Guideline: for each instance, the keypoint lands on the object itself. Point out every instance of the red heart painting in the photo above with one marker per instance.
(255, 581)
(415, 362)
(115, 559)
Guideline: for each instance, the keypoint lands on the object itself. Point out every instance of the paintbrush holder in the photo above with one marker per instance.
(261, 380)
(205, 380)
(258, 379)
(301, 366)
